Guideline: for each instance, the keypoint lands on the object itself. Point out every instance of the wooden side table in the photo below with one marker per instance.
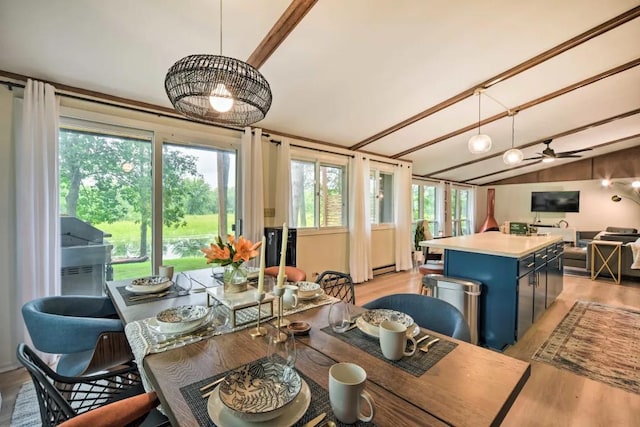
(608, 258)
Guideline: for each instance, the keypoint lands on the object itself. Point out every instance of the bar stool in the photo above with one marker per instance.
(431, 267)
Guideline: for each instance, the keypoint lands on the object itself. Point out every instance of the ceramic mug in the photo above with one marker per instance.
(393, 340)
(346, 392)
(290, 298)
(166, 271)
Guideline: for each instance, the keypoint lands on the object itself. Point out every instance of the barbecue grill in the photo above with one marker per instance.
(84, 257)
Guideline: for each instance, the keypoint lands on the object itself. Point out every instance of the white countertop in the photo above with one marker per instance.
(494, 243)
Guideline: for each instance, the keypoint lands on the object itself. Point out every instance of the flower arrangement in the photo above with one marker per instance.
(232, 252)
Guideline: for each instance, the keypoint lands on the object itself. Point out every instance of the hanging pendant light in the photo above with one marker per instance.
(218, 89)
(513, 156)
(479, 143)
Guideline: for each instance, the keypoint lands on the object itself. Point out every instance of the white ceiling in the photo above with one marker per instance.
(352, 69)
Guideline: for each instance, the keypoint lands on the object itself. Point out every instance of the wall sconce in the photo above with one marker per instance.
(615, 198)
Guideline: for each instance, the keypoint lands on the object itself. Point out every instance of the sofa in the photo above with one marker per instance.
(616, 234)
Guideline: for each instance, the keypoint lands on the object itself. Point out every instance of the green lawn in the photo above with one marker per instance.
(125, 236)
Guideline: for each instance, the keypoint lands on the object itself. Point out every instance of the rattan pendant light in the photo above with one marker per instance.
(218, 89)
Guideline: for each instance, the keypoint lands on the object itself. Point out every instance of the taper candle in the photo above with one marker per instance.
(261, 273)
(283, 255)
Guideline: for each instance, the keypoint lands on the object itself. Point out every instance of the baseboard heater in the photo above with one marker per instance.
(384, 270)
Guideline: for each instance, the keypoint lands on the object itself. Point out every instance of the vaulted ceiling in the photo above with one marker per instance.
(390, 77)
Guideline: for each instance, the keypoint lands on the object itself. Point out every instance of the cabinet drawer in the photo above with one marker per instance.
(541, 257)
(526, 265)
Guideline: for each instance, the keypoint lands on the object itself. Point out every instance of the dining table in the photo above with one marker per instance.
(468, 386)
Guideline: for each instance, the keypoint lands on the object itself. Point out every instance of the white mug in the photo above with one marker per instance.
(290, 298)
(346, 391)
(166, 271)
(393, 340)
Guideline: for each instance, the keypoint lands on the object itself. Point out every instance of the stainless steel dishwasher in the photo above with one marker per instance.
(463, 294)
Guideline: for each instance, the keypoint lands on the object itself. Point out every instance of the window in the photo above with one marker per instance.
(381, 196)
(318, 192)
(107, 177)
(425, 206)
(461, 211)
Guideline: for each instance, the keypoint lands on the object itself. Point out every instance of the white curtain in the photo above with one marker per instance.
(253, 177)
(283, 184)
(402, 215)
(37, 192)
(360, 261)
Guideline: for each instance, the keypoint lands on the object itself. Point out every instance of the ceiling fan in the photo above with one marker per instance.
(549, 155)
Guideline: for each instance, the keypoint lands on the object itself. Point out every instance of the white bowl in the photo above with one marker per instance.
(260, 391)
(150, 284)
(307, 289)
(181, 318)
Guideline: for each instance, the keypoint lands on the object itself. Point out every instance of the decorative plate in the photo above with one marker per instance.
(374, 331)
(377, 316)
(222, 416)
(308, 286)
(299, 328)
(260, 391)
(182, 314)
(170, 330)
(149, 285)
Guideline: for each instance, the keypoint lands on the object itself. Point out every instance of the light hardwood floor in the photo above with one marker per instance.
(551, 397)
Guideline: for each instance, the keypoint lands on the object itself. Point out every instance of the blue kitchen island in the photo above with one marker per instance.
(520, 275)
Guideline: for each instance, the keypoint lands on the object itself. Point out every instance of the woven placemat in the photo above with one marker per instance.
(319, 402)
(173, 293)
(416, 365)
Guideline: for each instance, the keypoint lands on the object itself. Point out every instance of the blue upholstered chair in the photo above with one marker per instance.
(428, 312)
(84, 330)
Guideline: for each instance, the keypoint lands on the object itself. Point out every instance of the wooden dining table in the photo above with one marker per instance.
(470, 386)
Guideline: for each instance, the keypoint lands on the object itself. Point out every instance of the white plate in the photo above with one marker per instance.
(156, 327)
(374, 332)
(222, 416)
(149, 289)
(318, 294)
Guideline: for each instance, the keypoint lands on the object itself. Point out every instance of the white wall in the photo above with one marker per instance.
(597, 211)
(8, 305)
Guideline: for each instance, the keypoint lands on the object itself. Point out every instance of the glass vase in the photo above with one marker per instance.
(234, 279)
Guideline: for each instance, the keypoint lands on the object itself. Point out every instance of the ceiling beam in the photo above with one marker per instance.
(524, 66)
(526, 105)
(280, 30)
(530, 144)
(604, 144)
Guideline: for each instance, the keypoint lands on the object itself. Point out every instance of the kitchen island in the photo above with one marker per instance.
(520, 276)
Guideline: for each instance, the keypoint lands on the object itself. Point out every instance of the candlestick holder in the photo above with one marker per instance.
(280, 336)
(259, 331)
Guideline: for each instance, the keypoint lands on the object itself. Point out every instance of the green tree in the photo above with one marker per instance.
(109, 179)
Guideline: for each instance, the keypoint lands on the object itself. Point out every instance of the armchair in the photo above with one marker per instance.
(84, 330)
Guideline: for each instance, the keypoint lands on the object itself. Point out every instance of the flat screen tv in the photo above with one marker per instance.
(555, 201)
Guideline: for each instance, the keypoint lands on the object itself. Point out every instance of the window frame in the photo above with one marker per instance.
(377, 169)
(320, 159)
(435, 225)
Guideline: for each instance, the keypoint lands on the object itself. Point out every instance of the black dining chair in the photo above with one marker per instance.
(61, 397)
(337, 284)
(428, 312)
(84, 330)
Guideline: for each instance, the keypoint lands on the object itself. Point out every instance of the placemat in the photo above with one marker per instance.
(319, 402)
(173, 293)
(416, 365)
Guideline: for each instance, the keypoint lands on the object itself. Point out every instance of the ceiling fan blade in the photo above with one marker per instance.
(567, 156)
(533, 158)
(574, 151)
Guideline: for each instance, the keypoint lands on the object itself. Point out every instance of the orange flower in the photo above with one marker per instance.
(232, 252)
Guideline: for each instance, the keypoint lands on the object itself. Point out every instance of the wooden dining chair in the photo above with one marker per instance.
(131, 411)
(337, 284)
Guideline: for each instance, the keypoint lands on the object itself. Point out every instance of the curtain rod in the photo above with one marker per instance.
(276, 142)
(11, 85)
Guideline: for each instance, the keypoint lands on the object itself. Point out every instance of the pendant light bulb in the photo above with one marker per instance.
(479, 143)
(513, 156)
(221, 99)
